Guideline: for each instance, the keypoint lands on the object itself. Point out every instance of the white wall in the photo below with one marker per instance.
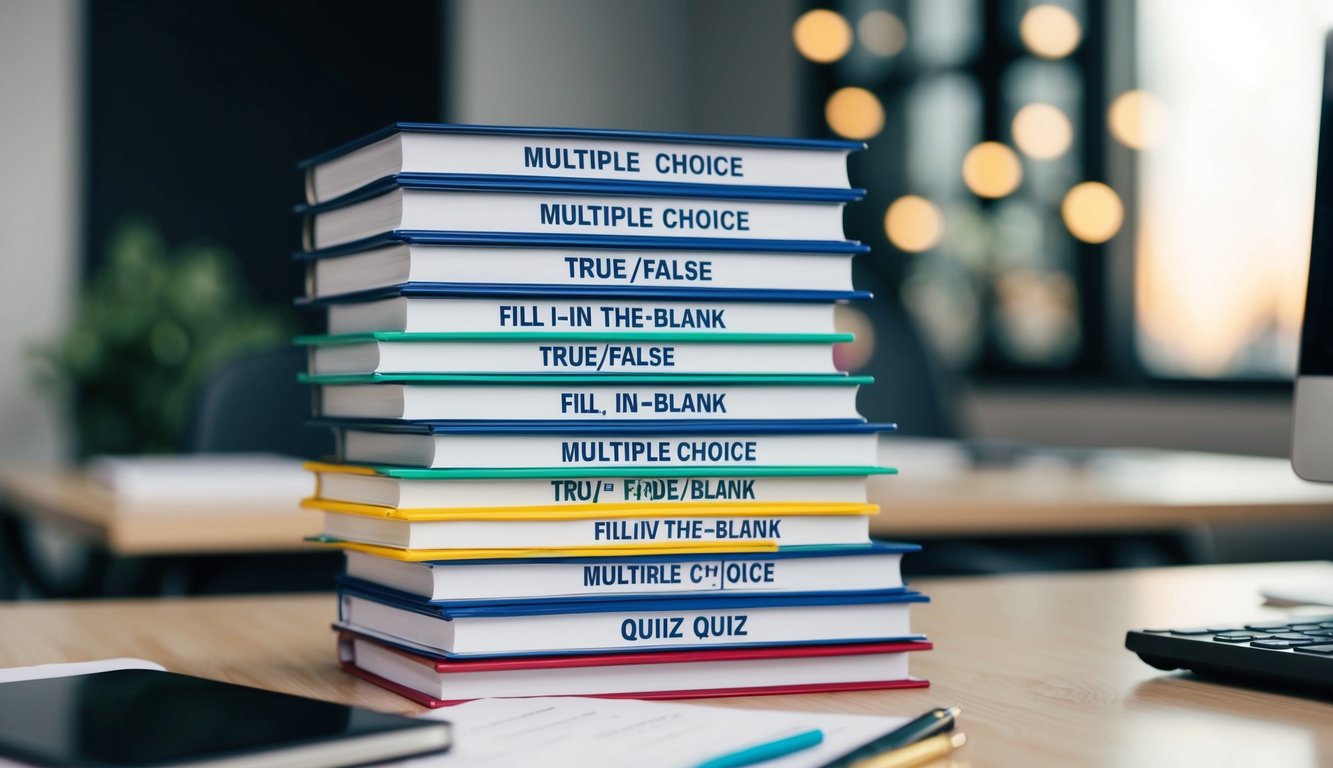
(39, 211)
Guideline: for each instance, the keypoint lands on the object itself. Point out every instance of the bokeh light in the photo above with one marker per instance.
(882, 33)
(991, 169)
(1137, 119)
(1042, 131)
(1092, 211)
(822, 36)
(1050, 31)
(913, 224)
(854, 355)
(854, 113)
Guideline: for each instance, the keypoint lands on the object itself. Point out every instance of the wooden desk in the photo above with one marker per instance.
(68, 500)
(1102, 491)
(1036, 662)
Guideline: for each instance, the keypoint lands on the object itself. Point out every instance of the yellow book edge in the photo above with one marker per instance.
(598, 511)
(618, 550)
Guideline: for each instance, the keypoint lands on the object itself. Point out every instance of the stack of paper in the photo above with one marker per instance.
(203, 480)
(591, 437)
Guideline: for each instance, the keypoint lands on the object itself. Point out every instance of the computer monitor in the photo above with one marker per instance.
(1312, 434)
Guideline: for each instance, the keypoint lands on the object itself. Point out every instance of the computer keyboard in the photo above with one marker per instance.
(1283, 653)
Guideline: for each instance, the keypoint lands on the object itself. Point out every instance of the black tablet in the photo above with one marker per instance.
(139, 717)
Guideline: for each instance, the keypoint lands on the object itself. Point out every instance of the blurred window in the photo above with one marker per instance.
(1227, 124)
(1084, 186)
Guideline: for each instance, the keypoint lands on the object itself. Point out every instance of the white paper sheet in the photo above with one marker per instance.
(44, 671)
(578, 732)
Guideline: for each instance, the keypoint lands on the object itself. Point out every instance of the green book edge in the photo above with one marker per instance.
(817, 379)
(491, 336)
(538, 473)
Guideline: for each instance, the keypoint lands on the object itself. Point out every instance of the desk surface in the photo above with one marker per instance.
(1036, 662)
(937, 494)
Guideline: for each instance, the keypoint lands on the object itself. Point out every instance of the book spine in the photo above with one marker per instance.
(518, 315)
(582, 403)
(601, 160)
(573, 356)
(605, 492)
(565, 214)
(610, 577)
(801, 530)
(491, 451)
(593, 269)
(641, 629)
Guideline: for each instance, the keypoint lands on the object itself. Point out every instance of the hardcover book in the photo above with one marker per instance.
(589, 353)
(496, 205)
(657, 444)
(599, 626)
(715, 672)
(578, 153)
(870, 567)
(555, 399)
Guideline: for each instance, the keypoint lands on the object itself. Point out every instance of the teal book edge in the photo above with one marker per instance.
(509, 473)
(489, 336)
(519, 379)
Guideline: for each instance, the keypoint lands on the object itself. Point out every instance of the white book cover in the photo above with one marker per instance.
(564, 213)
(624, 401)
(473, 450)
(614, 626)
(579, 157)
(610, 491)
(566, 355)
(478, 533)
(459, 315)
(868, 568)
(470, 265)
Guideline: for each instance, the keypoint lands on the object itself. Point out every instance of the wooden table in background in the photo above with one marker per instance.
(1036, 662)
(938, 493)
(68, 500)
(1102, 492)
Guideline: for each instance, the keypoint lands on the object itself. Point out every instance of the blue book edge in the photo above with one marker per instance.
(538, 185)
(617, 242)
(665, 427)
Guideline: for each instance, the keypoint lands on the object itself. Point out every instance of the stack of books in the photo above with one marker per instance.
(591, 440)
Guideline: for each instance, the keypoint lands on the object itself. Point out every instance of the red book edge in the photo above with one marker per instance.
(444, 666)
(708, 693)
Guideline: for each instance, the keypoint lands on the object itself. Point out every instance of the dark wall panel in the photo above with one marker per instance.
(197, 112)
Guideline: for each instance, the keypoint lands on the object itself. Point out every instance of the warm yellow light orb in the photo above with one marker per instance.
(822, 36)
(854, 355)
(1050, 31)
(1092, 211)
(913, 224)
(854, 113)
(1137, 119)
(882, 33)
(991, 169)
(1042, 131)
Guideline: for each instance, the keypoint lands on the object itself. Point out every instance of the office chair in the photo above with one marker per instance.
(255, 403)
(912, 388)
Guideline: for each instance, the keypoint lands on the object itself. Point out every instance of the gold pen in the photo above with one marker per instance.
(916, 754)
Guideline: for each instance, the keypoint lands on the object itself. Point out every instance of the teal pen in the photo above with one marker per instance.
(767, 751)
